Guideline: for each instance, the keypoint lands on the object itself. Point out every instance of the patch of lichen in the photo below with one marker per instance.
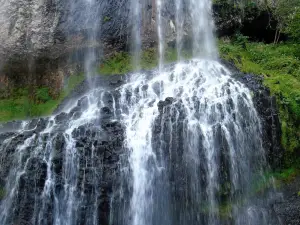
(280, 66)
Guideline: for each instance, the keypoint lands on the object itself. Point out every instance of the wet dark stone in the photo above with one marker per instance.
(145, 87)
(36, 170)
(105, 112)
(41, 124)
(116, 82)
(61, 118)
(267, 110)
(32, 124)
(162, 104)
(287, 207)
(107, 99)
(75, 112)
(83, 102)
(4, 136)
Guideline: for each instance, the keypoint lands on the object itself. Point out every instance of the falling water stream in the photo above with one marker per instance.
(180, 145)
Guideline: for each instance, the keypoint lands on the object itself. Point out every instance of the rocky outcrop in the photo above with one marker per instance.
(75, 160)
(266, 107)
(33, 179)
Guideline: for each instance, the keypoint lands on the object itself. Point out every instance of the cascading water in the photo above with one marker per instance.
(202, 28)
(177, 146)
(60, 166)
(136, 32)
(192, 133)
(179, 16)
(161, 44)
(88, 15)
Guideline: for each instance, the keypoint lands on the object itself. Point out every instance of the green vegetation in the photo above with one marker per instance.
(2, 193)
(286, 175)
(21, 106)
(121, 62)
(280, 66)
(106, 19)
(294, 23)
(287, 14)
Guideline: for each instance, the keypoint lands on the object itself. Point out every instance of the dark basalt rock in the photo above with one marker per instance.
(61, 118)
(97, 147)
(31, 183)
(267, 110)
(162, 104)
(94, 148)
(83, 103)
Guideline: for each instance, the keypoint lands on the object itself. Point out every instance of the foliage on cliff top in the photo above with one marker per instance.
(280, 66)
(21, 106)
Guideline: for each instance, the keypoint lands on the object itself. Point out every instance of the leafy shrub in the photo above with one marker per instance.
(294, 25)
(241, 40)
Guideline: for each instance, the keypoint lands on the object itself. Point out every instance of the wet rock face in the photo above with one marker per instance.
(42, 39)
(38, 38)
(170, 136)
(79, 159)
(288, 208)
(49, 160)
(266, 107)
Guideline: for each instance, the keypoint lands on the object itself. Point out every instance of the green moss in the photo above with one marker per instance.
(280, 66)
(286, 175)
(2, 193)
(106, 19)
(20, 106)
(121, 62)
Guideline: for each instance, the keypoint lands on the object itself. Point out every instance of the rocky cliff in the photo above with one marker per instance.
(41, 42)
(60, 157)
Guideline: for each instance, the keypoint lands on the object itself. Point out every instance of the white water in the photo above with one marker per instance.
(179, 19)
(136, 19)
(88, 13)
(204, 92)
(203, 28)
(161, 41)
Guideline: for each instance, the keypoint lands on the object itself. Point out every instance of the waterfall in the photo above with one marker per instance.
(202, 27)
(88, 15)
(180, 145)
(159, 22)
(179, 16)
(136, 32)
(193, 137)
